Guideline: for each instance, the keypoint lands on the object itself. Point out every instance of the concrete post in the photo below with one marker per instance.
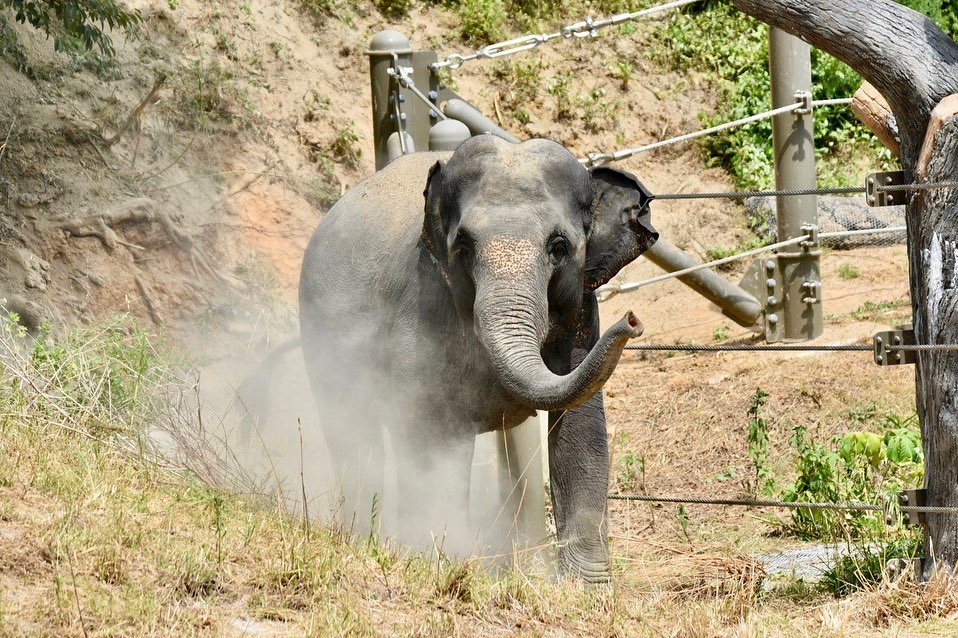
(794, 147)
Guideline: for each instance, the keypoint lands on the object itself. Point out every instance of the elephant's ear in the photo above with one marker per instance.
(621, 224)
(433, 230)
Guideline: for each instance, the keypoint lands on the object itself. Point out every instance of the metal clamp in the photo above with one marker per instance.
(887, 355)
(874, 194)
(805, 99)
(812, 231)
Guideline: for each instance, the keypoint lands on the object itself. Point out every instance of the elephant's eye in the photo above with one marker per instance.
(558, 248)
(463, 245)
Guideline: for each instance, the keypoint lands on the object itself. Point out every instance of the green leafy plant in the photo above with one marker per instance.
(482, 21)
(860, 467)
(345, 146)
(848, 271)
(714, 36)
(631, 473)
(77, 27)
(757, 436)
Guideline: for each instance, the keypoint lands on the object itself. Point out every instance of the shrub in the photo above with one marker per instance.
(77, 26)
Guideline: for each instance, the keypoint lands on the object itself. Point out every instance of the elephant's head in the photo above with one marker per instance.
(520, 232)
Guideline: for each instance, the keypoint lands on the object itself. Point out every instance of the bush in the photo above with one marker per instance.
(77, 26)
(860, 467)
(482, 21)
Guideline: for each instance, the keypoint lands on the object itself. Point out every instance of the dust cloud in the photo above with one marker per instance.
(266, 423)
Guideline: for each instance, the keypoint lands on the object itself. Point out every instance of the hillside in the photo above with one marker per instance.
(194, 220)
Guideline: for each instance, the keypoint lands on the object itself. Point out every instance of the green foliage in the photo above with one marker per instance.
(482, 21)
(764, 479)
(204, 93)
(77, 27)
(867, 565)
(848, 271)
(870, 311)
(859, 466)
(631, 473)
(713, 36)
(345, 146)
(393, 8)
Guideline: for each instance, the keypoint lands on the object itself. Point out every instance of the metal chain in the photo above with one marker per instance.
(588, 27)
(749, 502)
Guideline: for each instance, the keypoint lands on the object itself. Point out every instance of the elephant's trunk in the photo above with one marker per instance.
(512, 326)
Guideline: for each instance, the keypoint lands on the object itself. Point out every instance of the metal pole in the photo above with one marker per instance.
(794, 146)
(737, 304)
(473, 118)
(383, 48)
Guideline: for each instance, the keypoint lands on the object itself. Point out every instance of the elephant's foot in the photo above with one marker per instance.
(590, 565)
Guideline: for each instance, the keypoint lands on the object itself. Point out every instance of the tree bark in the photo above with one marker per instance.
(932, 251)
(914, 65)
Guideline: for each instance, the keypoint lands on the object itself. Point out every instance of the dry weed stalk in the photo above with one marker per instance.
(111, 385)
(904, 598)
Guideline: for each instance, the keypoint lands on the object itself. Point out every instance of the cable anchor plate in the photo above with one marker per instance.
(887, 355)
(876, 197)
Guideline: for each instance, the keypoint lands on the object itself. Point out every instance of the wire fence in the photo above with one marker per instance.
(750, 502)
(588, 27)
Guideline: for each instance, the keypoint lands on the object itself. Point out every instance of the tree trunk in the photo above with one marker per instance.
(914, 65)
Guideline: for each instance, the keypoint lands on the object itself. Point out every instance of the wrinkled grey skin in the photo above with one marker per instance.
(443, 314)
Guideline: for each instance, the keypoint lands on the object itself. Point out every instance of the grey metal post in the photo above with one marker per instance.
(382, 48)
(794, 146)
(473, 118)
(736, 303)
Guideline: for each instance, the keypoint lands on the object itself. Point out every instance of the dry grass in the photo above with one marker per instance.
(105, 532)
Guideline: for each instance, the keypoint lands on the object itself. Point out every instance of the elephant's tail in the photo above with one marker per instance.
(253, 394)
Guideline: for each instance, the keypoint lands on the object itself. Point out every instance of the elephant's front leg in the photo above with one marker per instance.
(579, 476)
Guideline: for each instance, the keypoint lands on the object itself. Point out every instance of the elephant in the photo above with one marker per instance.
(464, 310)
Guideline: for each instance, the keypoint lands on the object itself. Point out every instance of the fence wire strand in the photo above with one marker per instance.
(589, 27)
(597, 159)
(750, 502)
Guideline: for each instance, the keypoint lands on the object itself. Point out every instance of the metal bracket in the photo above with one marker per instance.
(876, 197)
(763, 280)
(890, 357)
(913, 497)
(805, 99)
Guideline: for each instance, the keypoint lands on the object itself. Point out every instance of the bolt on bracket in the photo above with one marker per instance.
(915, 498)
(885, 353)
(877, 197)
(812, 292)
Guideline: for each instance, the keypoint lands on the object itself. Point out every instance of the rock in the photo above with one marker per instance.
(28, 200)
